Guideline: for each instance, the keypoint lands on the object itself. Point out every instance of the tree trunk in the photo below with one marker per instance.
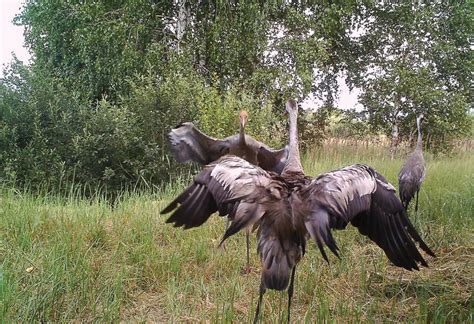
(395, 122)
(394, 142)
(182, 22)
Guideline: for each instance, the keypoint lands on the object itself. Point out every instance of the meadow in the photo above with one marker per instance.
(65, 258)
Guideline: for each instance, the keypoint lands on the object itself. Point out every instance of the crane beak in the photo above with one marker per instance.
(243, 121)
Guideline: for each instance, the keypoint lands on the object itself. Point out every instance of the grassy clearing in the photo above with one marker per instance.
(64, 259)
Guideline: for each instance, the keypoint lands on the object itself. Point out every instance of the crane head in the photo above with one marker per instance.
(244, 116)
(291, 105)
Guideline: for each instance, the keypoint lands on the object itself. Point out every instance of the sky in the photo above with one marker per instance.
(11, 36)
(11, 40)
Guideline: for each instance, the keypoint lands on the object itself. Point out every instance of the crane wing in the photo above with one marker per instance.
(272, 160)
(231, 186)
(250, 196)
(359, 195)
(187, 143)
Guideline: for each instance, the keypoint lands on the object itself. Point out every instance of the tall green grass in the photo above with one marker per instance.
(70, 259)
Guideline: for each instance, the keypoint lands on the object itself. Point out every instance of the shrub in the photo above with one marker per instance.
(52, 137)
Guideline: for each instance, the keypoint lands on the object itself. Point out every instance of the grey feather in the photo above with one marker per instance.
(187, 143)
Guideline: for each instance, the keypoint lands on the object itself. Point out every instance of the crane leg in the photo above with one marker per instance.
(290, 290)
(416, 205)
(247, 269)
(247, 239)
(227, 224)
(260, 297)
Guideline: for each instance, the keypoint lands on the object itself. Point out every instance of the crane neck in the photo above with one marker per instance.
(293, 163)
(242, 134)
(419, 142)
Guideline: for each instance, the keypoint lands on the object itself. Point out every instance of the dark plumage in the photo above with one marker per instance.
(287, 209)
(413, 172)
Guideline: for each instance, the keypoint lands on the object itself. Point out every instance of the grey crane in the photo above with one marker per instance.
(288, 209)
(189, 144)
(413, 172)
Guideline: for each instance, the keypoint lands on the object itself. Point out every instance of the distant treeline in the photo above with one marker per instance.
(108, 80)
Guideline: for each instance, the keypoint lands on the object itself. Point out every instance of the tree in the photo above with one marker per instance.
(277, 48)
(110, 78)
(94, 46)
(403, 68)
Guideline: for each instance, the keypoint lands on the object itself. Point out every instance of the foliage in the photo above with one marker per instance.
(347, 124)
(268, 47)
(51, 138)
(218, 116)
(414, 59)
(109, 79)
(94, 46)
(312, 128)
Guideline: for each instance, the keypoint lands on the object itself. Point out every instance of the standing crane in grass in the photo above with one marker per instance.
(189, 144)
(288, 209)
(413, 172)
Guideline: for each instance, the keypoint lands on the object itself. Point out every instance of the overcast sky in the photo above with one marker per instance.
(11, 40)
(11, 36)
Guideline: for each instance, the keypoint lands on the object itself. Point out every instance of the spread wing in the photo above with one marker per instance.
(231, 186)
(272, 160)
(188, 143)
(359, 195)
(250, 196)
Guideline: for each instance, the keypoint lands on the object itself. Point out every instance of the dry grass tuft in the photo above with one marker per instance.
(145, 307)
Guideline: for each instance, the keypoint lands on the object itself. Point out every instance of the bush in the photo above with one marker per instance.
(51, 137)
